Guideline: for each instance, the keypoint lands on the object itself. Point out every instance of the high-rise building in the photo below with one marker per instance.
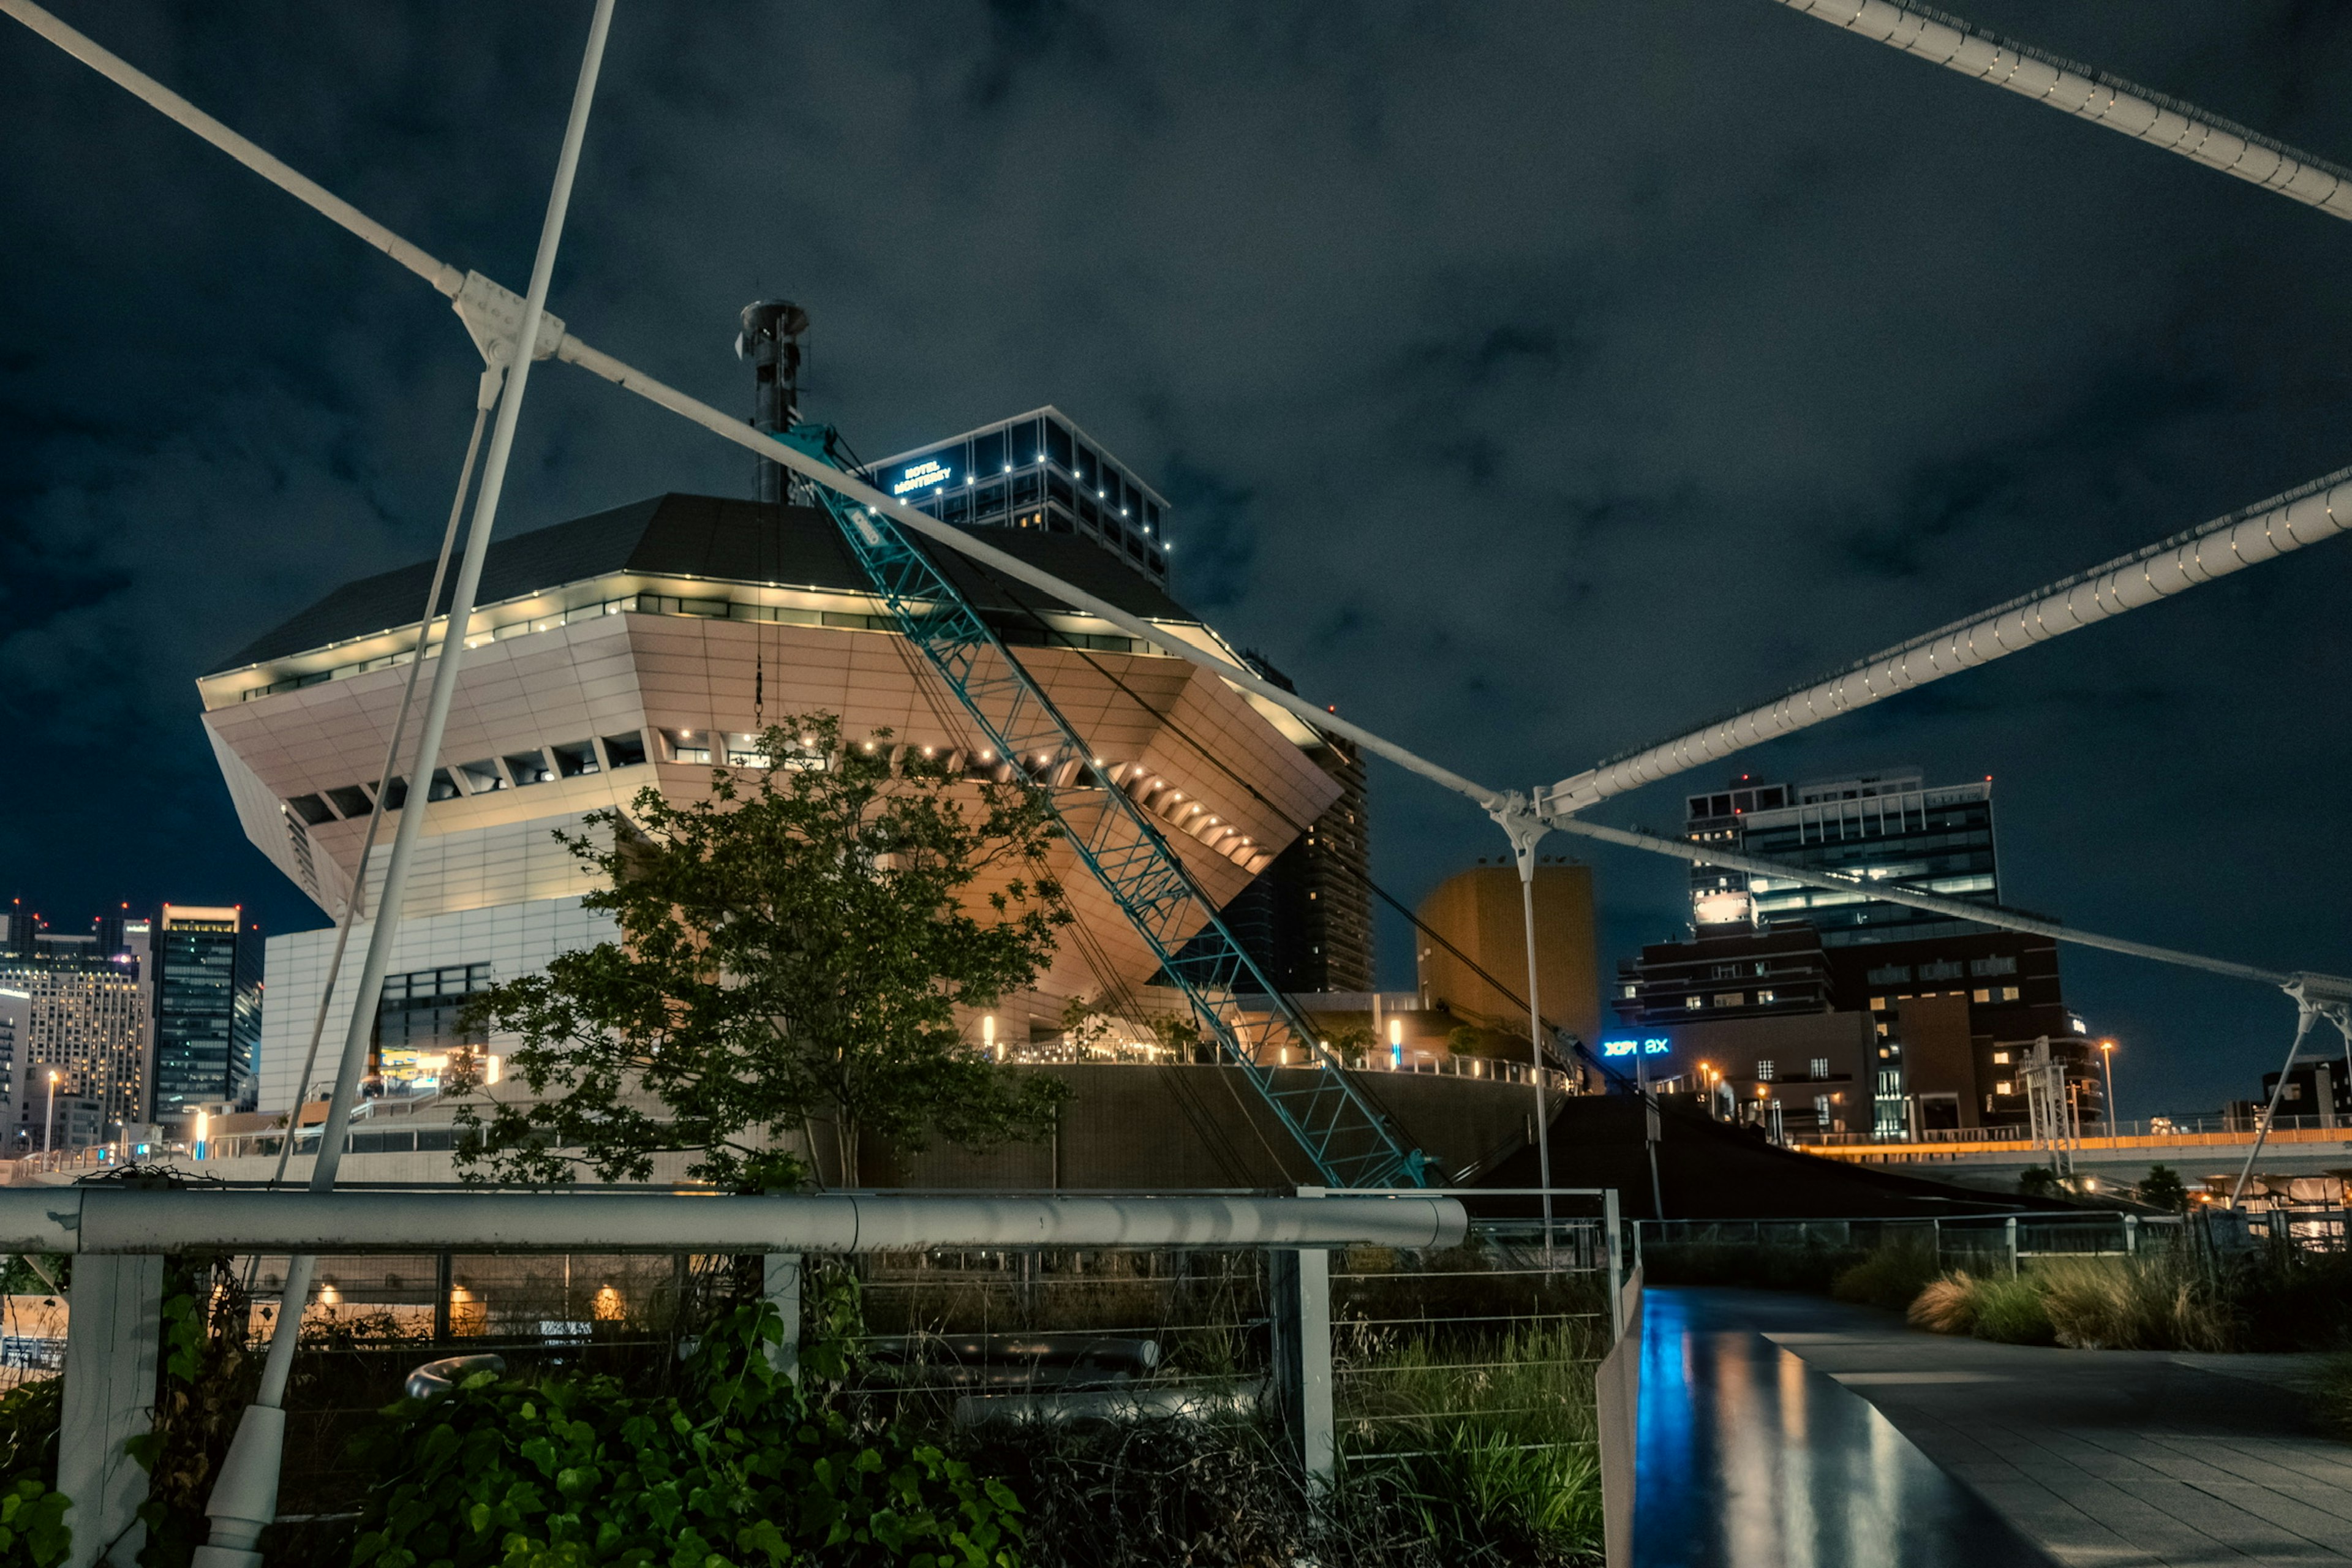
(1888, 827)
(87, 1019)
(205, 991)
(1307, 920)
(1036, 471)
(15, 1019)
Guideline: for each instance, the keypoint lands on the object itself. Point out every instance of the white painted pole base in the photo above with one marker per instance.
(245, 1496)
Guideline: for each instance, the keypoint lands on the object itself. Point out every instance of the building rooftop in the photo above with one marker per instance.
(708, 538)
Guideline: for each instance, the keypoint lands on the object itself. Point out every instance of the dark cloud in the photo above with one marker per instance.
(1532, 381)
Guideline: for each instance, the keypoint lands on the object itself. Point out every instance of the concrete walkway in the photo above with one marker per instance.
(2104, 1458)
(1748, 1458)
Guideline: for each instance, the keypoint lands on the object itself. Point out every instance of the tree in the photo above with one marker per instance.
(2162, 1188)
(792, 949)
(2039, 1182)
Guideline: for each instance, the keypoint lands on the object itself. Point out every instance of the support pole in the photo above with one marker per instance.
(1526, 830)
(1301, 1290)
(2307, 1014)
(244, 1496)
(114, 1332)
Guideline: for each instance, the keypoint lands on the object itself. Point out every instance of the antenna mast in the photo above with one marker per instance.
(770, 340)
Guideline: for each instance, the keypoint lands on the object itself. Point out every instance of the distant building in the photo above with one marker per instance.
(1794, 1074)
(1762, 946)
(15, 1017)
(1479, 912)
(87, 1009)
(1307, 920)
(2320, 1090)
(206, 995)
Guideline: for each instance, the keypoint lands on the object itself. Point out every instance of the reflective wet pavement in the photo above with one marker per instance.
(1750, 1459)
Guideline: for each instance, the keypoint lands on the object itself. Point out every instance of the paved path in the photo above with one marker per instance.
(2106, 1458)
(1749, 1458)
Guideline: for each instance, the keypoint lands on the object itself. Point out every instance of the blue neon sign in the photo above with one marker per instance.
(1657, 1045)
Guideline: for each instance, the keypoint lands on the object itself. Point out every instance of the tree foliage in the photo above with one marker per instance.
(2162, 1188)
(792, 949)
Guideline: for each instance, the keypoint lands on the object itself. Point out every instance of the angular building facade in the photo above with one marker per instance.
(638, 647)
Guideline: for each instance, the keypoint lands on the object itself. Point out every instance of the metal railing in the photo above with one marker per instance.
(2155, 1131)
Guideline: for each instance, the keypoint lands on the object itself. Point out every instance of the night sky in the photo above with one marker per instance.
(1532, 382)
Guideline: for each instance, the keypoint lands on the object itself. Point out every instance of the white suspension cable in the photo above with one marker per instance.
(2093, 95)
(148, 91)
(2319, 510)
(244, 1498)
(355, 909)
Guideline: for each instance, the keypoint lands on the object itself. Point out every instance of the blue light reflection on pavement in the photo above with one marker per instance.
(1749, 1458)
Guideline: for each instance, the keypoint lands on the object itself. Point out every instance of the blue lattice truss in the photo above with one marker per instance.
(1346, 1138)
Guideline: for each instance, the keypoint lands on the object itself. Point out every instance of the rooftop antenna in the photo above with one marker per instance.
(770, 340)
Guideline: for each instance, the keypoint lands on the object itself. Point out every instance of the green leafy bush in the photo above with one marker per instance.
(740, 1470)
(34, 1530)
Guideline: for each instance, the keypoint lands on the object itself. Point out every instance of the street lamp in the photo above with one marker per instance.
(2107, 1064)
(49, 1118)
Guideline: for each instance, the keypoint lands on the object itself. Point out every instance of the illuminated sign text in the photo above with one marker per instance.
(922, 476)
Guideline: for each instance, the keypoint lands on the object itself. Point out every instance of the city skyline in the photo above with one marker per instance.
(1688, 483)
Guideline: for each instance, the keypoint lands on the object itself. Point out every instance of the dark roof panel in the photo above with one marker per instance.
(702, 536)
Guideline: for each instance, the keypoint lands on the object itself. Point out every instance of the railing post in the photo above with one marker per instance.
(1616, 1266)
(2009, 1231)
(1300, 1288)
(2131, 1236)
(114, 1330)
(781, 1279)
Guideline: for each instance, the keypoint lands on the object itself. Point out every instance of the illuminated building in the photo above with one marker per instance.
(1037, 471)
(638, 647)
(205, 990)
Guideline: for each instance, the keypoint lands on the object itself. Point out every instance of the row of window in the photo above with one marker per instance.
(1768, 1070)
(998, 457)
(1724, 999)
(516, 770)
(697, 609)
(1941, 969)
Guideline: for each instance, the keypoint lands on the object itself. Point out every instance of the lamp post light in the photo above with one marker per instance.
(49, 1123)
(2107, 1065)
(204, 1125)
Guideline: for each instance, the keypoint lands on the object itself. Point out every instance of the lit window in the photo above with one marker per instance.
(1765, 1069)
(626, 750)
(1729, 998)
(1629, 991)
(529, 768)
(1980, 994)
(2004, 1087)
(1694, 1002)
(2001, 1059)
(1820, 1067)
(2009, 993)
(1764, 997)
(1879, 1003)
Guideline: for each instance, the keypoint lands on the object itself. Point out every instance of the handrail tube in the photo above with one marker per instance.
(102, 1220)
